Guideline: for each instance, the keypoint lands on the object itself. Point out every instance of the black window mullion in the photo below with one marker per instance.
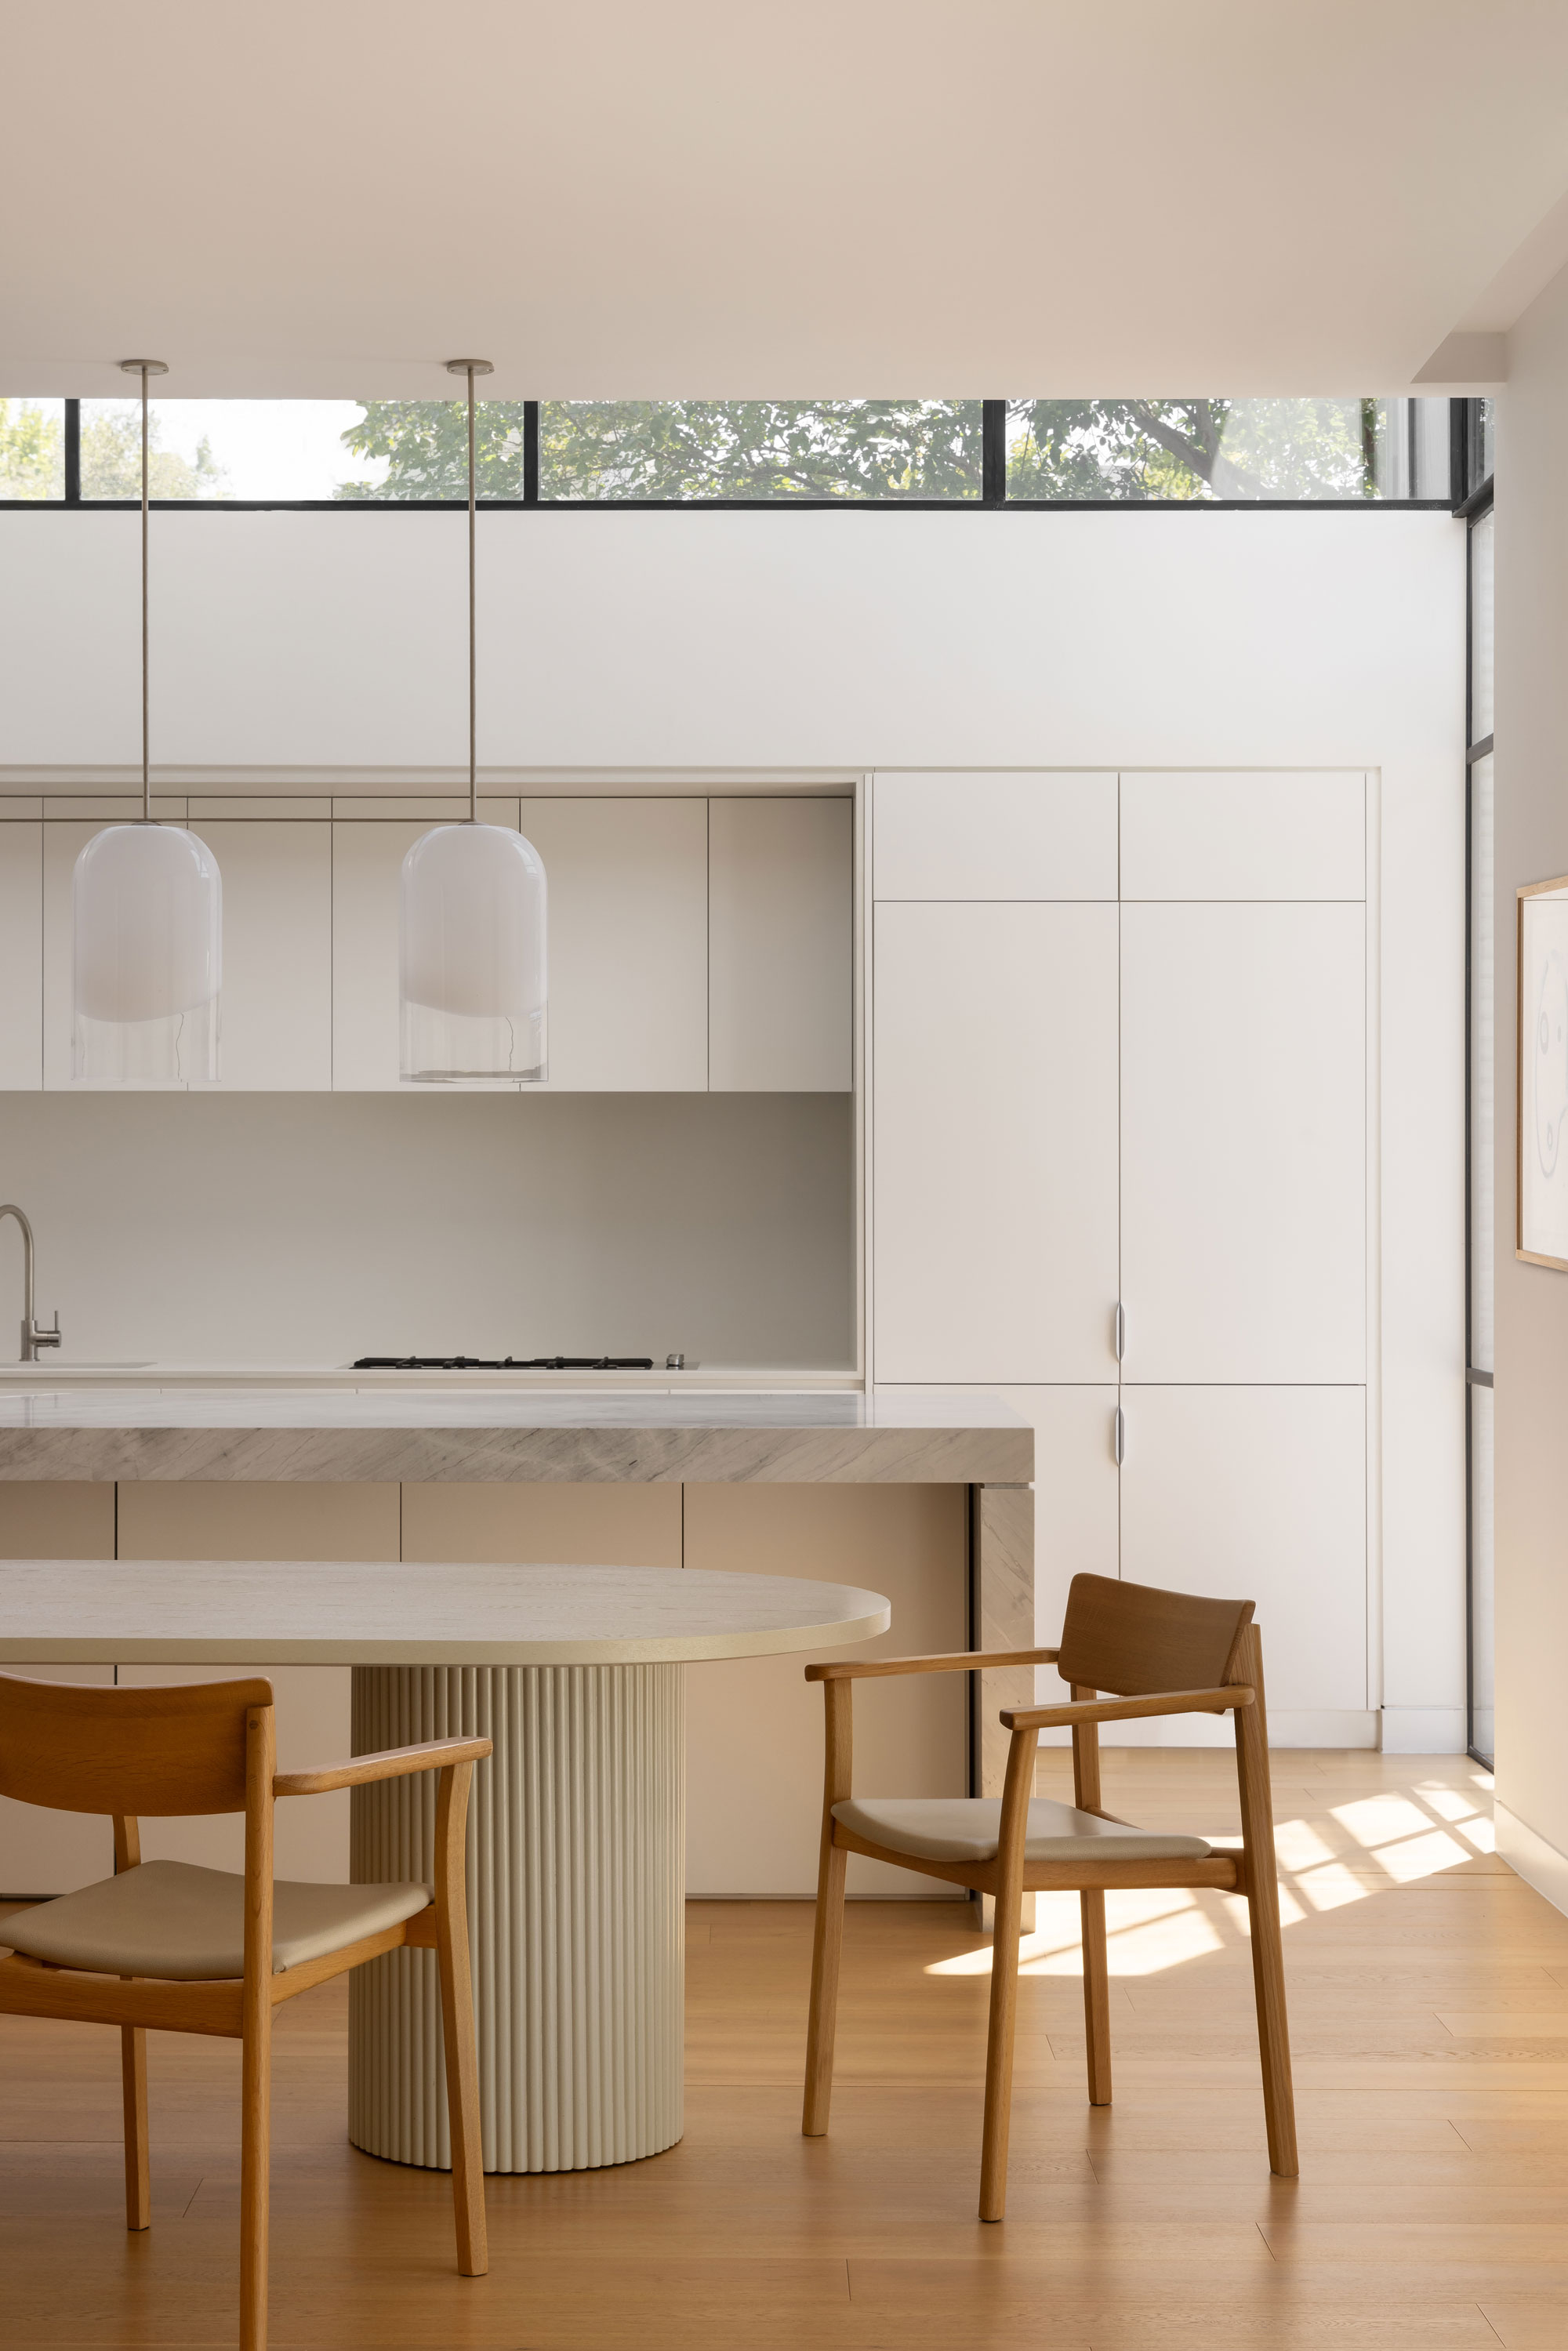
(993, 452)
(73, 451)
(531, 452)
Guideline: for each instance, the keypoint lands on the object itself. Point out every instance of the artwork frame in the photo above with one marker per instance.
(1541, 1093)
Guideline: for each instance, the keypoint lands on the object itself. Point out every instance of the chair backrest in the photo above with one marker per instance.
(167, 1749)
(1133, 1639)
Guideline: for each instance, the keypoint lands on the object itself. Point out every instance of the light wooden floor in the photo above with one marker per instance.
(1429, 2008)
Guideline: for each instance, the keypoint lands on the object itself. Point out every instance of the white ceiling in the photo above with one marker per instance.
(823, 198)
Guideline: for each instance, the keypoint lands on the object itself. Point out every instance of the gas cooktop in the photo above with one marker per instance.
(514, 1364)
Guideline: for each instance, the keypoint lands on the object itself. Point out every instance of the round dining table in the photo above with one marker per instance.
(576, 1827)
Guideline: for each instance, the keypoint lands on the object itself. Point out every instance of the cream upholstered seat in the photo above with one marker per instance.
(167, 1919)
(968, 1828)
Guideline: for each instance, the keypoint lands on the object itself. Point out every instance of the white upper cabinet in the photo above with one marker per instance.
(367, 868)
(989, 834)
(628, 941)
(21, 957)
(1268, 835)
(1243, 1175)
(277, 1005)
(994, 1143)
(1259, 1493)
(63, 841)
(780, 944)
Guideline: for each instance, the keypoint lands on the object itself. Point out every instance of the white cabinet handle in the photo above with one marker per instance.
(1120, 1330)
(1119, 1436)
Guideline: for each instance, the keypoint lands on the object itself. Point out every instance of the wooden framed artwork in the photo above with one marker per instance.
(1542, 1156)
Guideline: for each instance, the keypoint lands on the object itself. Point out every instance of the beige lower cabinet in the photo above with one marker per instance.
(754, 1738)
(542, 1526)
(754, 1727)
(197, 1521)
(43, 1852)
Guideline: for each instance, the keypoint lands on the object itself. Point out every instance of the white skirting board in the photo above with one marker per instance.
(1424, 1730)
(1538, 1863)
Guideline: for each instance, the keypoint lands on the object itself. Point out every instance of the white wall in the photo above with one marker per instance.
(310, 1229)
(1531, 1337)
(712, 644)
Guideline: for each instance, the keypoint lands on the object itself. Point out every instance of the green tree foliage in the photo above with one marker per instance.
(32, 457)
(1142, 449)
(760, 449)
(676, 449)
(423, 445)
(112, 459)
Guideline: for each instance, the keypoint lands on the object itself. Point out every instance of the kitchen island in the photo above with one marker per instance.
(133, 1435)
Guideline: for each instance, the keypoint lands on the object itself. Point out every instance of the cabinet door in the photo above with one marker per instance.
(276, 1010)
(1259, 1493)
(994, 1111)
(780, 932)
(367, 867)
(1244, 1141)
(754, 1725)
(1266, 835)
(628, 943)
(21, 957)
(994, 835)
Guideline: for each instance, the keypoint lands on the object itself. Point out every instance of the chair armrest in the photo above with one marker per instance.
(391, 1763)
(1126, 1709)
(966, 1661)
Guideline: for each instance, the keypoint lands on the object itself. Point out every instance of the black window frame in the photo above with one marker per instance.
(993, 498)
(1473, 502)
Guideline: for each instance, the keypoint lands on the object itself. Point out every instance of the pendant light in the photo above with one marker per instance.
(147, 921)
(471, 929)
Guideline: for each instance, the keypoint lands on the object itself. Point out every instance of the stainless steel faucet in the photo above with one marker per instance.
(33, 1338)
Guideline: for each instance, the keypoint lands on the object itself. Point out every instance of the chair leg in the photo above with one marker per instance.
(999, 2053)
(1096, 1994)
(827, 1947)
(133, 2085)
(256, 2150)
(463, 2102)
(1263, 1910)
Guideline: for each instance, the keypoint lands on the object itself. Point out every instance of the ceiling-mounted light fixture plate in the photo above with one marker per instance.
(145, 367)
(461, 366)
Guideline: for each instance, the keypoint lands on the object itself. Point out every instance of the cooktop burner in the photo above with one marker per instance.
(512, 1363)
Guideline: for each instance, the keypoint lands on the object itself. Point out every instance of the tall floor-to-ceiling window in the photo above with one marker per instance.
(1476, 446)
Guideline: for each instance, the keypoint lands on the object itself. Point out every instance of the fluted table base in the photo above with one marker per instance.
(576, 1914)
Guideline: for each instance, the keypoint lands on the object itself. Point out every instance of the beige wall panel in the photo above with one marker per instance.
(574, 1526)
(754, 1727)
(43, 1852)
(209, 1521)
(65, 1520)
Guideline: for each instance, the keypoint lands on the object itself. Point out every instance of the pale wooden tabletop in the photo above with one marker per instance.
(375, 1613)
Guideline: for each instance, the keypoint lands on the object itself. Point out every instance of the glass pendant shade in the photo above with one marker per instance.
(147, 908)
(472, 957)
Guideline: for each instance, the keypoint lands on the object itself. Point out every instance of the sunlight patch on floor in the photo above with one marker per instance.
(1408, 1835)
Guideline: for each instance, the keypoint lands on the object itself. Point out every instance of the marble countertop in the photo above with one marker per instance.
(503, 1435)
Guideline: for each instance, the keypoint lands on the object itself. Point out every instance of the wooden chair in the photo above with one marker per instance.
(1161, 1652)
(204, 1950)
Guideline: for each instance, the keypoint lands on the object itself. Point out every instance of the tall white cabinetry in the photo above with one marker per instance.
(1119, 1057)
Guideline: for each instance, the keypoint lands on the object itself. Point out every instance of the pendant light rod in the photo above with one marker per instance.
(144, 367)
(471, 368)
